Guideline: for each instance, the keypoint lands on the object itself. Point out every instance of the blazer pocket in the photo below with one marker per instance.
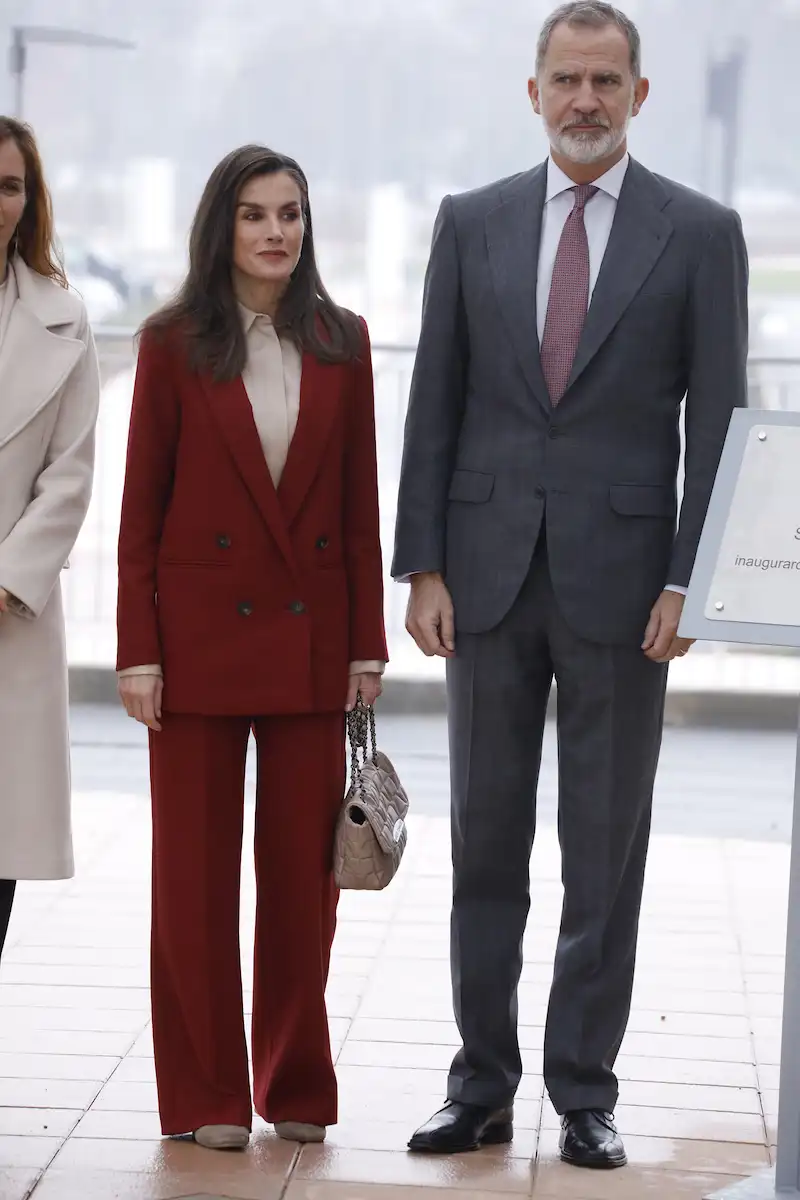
(643, 500)
(471, 487)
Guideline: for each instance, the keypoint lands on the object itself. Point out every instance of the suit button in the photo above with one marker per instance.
(297, 606)
(245, 608)
(223, 541)
(322, 543)
(554, 432)
(539, 492)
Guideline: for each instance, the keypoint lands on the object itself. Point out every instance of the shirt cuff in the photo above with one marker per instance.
(674, 587)
(372, 666)
(150, 669)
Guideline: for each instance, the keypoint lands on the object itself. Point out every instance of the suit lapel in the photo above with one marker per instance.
(513, 233)
(320, 398)
(638, 238)
(233, 415)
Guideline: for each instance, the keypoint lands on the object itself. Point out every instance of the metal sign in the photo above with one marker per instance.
(745, 587)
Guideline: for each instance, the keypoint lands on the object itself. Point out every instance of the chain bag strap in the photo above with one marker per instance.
(371, 831)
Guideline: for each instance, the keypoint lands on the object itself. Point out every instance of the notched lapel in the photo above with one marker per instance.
(34, 365)
(320, 399)
(513, 234)
(233, 414)
(639, 236)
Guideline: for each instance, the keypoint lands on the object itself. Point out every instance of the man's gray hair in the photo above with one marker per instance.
(595, 14)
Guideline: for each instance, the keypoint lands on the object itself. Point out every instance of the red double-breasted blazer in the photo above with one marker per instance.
(253, 600)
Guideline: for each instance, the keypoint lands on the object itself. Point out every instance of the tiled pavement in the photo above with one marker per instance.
(699, 1065)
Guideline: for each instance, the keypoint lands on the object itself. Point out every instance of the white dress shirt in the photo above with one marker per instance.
(598, 217)
(272, 378)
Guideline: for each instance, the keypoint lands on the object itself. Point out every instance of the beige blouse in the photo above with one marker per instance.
(272, 379)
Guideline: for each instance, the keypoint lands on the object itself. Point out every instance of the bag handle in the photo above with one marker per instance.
(360, 732)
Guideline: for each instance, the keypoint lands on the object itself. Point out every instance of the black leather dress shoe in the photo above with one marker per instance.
(459, 1127)
(589, 1138)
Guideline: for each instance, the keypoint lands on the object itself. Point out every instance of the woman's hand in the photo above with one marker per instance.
(3, 601)
(141, 695)
(370, 685)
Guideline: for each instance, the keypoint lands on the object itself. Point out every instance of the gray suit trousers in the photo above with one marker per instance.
(610, 715)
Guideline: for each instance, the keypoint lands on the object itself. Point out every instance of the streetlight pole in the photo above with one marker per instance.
(22, 36)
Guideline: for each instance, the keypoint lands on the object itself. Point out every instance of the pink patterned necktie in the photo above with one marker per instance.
(569, 298)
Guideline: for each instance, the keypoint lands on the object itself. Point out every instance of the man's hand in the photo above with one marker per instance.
(141, 695)
(370, 685)
(429, 618)
(661, 642)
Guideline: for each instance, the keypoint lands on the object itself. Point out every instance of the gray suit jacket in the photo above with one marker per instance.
(487, 458)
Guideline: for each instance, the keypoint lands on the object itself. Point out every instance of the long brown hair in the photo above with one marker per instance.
(35, 236)
(205, 307)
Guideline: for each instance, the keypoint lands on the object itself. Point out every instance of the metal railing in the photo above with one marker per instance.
(90, 584)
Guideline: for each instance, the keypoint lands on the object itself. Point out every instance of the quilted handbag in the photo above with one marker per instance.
(371, 832)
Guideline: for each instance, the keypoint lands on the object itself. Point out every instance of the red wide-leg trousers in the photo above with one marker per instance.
(197, 766)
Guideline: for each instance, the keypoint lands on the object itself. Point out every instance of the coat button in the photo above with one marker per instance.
(245, 608)
(223, 541)
(322, 543)
(554, 432)
(539, 492)
(297, 606)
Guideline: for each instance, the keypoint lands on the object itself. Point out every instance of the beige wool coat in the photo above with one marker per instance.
(49, 397)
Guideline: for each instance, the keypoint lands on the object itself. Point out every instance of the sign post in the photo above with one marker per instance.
(745, 587)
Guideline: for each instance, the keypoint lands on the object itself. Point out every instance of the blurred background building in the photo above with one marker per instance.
(387, 104)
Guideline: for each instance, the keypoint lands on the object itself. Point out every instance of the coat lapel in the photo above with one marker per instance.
(638, 238)
(320, 399)
(34, 361)
(233, 415)
(513, 233)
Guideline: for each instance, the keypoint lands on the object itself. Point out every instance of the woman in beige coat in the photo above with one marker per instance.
(49, 395)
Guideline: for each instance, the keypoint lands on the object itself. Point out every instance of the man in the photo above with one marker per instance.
(568, 311)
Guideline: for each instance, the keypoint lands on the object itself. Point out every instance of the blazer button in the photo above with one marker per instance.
(554, 432)
(223, 541)
(297, 606)
(539, 492)
(322, 543)
(245, 608)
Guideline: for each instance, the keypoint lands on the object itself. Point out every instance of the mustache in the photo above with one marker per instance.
(595, 122)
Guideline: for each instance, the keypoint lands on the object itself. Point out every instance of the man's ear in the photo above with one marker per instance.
(533, 93)
(640, 93)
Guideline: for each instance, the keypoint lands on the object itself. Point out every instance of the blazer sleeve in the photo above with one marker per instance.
(435, 410)
(717, 377)
(361, 519)
(149, 473)
(37, 548)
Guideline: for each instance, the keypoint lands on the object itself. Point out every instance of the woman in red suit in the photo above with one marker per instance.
(250, 596)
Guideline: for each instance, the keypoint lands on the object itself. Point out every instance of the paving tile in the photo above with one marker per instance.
(556, 1181)
(108, 1123)
(647, 1069)
(301, 1189)
(163, 1156)
(679, 1124)
(95, 1068)
(676, 1154)
(499, 1172)
(38, 1122)
(127, 1097)
(16, 1183)
(47, 1093)
(32, 1152)
(65, 1184)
